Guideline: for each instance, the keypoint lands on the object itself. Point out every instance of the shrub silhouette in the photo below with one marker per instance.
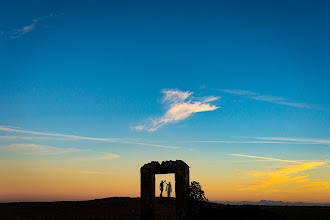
(197, 199)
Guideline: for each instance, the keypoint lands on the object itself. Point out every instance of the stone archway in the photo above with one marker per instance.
(148, 171)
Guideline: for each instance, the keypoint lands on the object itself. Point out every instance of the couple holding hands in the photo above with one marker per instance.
(168, 188)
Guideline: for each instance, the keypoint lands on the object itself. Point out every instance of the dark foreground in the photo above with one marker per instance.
(129, 208)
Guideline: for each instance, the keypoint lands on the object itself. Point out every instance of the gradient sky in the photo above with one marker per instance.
(92, 90)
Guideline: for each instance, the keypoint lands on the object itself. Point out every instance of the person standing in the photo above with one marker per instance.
(161, 187)
(169, 189)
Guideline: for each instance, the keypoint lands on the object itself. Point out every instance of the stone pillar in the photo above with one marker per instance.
(147, 194)
(181, 191)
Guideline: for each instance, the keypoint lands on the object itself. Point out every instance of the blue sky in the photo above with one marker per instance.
(247, 78)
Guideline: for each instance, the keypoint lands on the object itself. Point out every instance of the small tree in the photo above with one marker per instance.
(197, 199)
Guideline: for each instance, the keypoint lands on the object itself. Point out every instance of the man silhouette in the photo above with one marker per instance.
(161, 187)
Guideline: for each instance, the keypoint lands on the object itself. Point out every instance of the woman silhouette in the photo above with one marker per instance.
(169, 189)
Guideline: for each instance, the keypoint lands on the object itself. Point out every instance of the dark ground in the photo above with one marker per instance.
(129, 208)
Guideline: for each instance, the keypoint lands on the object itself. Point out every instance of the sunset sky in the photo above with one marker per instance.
(90, 91)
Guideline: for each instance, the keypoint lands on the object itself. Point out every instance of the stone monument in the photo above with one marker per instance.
(148, 171)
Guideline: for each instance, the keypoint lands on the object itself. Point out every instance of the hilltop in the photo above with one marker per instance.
(129, 208)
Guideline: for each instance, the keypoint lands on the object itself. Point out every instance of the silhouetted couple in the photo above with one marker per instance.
(168, 188)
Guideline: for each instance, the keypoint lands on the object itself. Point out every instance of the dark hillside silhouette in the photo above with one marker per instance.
(129, 208)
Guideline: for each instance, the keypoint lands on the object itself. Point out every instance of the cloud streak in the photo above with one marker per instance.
(35, 149)
(31, 138)
(45, 150)
(23, 30)
(265, 98)
(28, 28)
(180, 105)
(297, 140)
(319, 185)
(270, 140)
(13, 33)
(240, 142)
(265, 158)
(10, 129)
(72, 137)
(284, 174)
(87, 172)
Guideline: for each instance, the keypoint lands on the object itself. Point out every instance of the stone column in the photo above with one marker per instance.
(147, 194)
(181, 191)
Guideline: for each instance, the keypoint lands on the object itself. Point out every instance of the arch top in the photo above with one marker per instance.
(155, 165)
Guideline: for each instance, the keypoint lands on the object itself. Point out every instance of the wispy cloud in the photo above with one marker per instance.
(45, 150)
(321, 185)
(73, 171)
(181, 105)
(237, 91)
(153, 145)
(280, 175)
(265, 158)
(10, 129)
(175, 96)
(297, 140)
(21, 31)
(240, 142)
(266, 98)
(32, 138)
(269, 140)
(97, 156)
(72, 137)
(27, 28)
(35, 149)
(138, 128)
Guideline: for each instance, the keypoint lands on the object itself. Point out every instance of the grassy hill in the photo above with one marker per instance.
(129, 208)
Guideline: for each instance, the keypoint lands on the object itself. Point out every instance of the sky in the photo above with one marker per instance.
(90, 91)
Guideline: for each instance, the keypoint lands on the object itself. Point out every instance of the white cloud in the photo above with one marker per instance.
(181, 105)
(175, 96)
(139, 127)
(208, 98)
(182, 111)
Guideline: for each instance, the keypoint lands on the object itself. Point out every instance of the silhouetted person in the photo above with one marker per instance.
(161, 187)
(169, 189)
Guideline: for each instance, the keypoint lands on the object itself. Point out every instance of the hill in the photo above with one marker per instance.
(129, 208)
